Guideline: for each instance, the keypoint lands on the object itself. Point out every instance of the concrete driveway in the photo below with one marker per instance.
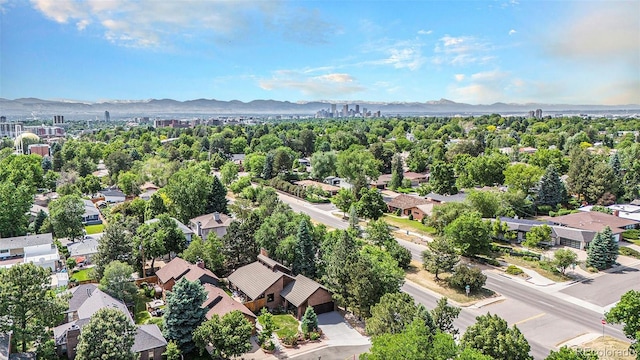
(338, 331)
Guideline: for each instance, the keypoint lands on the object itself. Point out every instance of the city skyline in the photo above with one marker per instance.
(478, 52)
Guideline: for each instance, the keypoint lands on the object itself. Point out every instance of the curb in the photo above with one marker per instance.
(293, 356)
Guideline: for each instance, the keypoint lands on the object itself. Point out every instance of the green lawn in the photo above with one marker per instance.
(81, 275)
(285, 325)
(94, 229)
(411, 225)
(142, 316)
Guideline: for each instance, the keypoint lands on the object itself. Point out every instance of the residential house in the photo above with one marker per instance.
(85, 301)
(178, 268)
(84, 249)
(5, 350)
(220, 303)
(238, 159)
(91, 214)
(443, 199)
(215, 222)
(188, 233)
(410, 205)
(267, 283)
(415, 178)
(38, 249)
(560, 235)
(112, 196)
(625, 211)
(329, 189)
(147, 190)
(595, 221)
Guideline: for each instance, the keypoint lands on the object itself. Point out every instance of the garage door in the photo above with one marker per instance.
(570, 243)
(323, 308)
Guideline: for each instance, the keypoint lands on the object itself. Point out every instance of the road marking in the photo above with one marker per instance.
(530, 318)
(542, 302)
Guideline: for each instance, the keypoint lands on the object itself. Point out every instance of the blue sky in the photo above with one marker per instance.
(479, 52)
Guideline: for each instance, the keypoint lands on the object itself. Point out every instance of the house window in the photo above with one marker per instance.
(151, 352)
(269, 298)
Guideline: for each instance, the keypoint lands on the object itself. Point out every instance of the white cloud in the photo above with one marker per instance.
(512, 31)
(406, 54)
(482, 87)
(459, 77)
(461, 50)
(320, 86)
(147, 23)
(425, 32)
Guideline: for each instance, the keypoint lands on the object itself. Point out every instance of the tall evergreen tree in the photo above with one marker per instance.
(442, 179)
(612, 246)
(551, 190)
(598, 253)
(580, 172)
(267, 170)
(614, 163)
(339, 261)
(397, 172)
(217, 198)
(304, 261)
(115, 244)
(354, 220)
(184, 313)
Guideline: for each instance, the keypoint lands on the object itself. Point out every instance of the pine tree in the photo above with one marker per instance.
(597, 253)
(580, 172)
(612, 246)
(184, 313)
(397, 173)
(339, 262)
(309, 320)
(267, 170)
(551, 191)
(354, 220)
(217, 198)
(304, 261)
(614, 163)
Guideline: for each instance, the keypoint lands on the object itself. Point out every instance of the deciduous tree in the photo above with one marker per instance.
(492, 336)
(15, 203)
(116, 244)
(626, 312)
(391, 314)
(118, 282)
(323, 164)
(440, 255)
(442, 179)
(563, 258)
(522, 176)
(371, 204)
(358, 167)
(469, 233)
(229, 336)
(108, 335)
(343, 200)
(228, 173)
(537, 235)
(66, 217)
(188, 191)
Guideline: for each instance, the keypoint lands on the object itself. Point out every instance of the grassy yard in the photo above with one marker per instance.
(81, 275)
(94, 229)
(609, 348)
(285, 325)
(142, 316)
(411, 225)
(426, 279)
(534, 265)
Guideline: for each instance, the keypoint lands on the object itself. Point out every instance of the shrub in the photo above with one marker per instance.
(410, 216)
(71, 263)
(629, 252)
(309, 320)
(291, 340)
(314, 336)
(464, 275)
(545, 209)
(514, 270)
(632, 234)
(398, 212)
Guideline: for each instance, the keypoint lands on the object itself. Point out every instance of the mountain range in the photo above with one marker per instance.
(155, 107)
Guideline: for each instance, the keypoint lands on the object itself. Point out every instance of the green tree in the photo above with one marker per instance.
(411, 344)
(323, 164)
(304, 261)
(308, 140)
(188, 191)
(492, 336)
(108, 335)
(378, 232)
(27, 307)
(440, 255)
(15, 203)
(172, 351)
(228, 173)
(626, 312)
(254, 163)
(129, 183)
(239, 244)
(358, 166)
(218, 197)
(184, 313)
(397, 172)
(90, 184)
(444, 315)
(116, 244)
(580, 172)
(418, 160)
(39, 221)
(522, 176)
(442, 179)
(464, 276)
(566, 353)
(391, 314)
(147, 244)
(118, 282)
(354, 220)
(488, 170)
(229, 336)
(338, 266)
(210, 251)
(551, 190)
(117, 162)
(487, 203)
(343, 200)
(155, 207)
(537, 235)
(445, 214)
(371, 204)
(563, 258)
(66, 217)
(470, 234)
(309, 320)
(238, 145)
(267, 169)
(603, 180)
(22, 170)
(603, 250)
(167, 232)
(268, 327)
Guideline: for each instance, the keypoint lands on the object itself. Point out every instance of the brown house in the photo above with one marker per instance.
(177, 268)
(267, 283)
(595, 221)
(408, 205)
(218, 302)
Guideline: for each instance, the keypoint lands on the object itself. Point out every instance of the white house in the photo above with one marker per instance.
(38, 249)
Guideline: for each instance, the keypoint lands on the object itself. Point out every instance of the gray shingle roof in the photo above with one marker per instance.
(4, 346)
(459, 197)
(83, 247)
(185, 230)
(80, 294)
(148, 337)
(254, 279)
(300, 290)
(573, 234)
(25, 241)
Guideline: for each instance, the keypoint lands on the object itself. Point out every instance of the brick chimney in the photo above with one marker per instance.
(616, 212)
(264, 252)
(200, 264)
(216, 216)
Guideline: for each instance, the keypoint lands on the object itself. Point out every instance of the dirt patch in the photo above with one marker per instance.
(418, 275)
(357, 324)
(609, 348)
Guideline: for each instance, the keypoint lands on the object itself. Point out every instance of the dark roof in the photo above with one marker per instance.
(298, 291)
(459, 197)
(404, 201)
(90, 208)
(573, 234)
(148, 337)
(25, 241)
(522, 224)
(272, 264)
(254, 279)
(177, 268)
(23, 356)
(5, 340)
(112, 192)
(218, 302)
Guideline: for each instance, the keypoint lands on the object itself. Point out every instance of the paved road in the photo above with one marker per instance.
(334, 353)
(607, 288)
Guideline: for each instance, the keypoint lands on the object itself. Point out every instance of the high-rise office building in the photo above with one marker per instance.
(345, 110)
(107, 117)
(538, 113)
(357, 109)
(58, 119)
